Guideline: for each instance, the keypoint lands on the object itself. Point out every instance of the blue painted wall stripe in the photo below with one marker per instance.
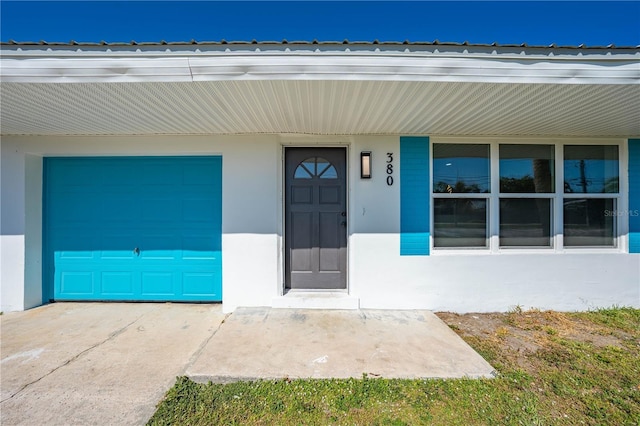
(414, 196)
(634, 195)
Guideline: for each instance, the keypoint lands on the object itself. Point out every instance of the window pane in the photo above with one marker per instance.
(310, 165)
(460, 168)
(321, 165)
(525, 222)
(591, 169)
(301, 173)
(589, 222)
(329, 173)
(460, 222)
(315, 167)
(326, 169)
(526, 168)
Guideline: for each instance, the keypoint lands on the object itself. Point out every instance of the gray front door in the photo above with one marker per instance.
(315, 218)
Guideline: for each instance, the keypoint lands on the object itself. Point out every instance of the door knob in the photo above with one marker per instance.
(343, 214)
(136, 251)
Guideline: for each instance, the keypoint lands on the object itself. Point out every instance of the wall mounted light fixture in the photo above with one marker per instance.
(365, 165)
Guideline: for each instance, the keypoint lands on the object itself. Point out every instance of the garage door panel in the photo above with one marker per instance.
(160, 283)
(117, 244)
(118, 175)
(117, 283)
(122, 254)
(161, 209)
(126, 236)
(76, 174)
(76, 283)
(117, 207)
(199, 210)
(76, 208)
(162, 246)
(196, 284)
(125, 255)
(158, 173)
(199, 174)
(80, 245)
(164, 255)
(63, 255)
(200, 247)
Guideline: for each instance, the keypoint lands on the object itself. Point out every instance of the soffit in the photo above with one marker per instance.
(319, 89)
(321, 107)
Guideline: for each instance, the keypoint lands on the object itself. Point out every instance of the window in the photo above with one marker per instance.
(525, 222)
(507, 195)
(461, 169)
(460, 222)
(461, 187)
(315, 167)
(527, 176)
(590, 169)
(591, 185)
(587, 224)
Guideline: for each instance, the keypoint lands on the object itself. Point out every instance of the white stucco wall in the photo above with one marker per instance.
(12, 227)
(250, 208)
(488, 283)
(474, 281)
(252, 233)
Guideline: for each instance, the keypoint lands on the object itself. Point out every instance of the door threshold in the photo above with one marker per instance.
(316, 299)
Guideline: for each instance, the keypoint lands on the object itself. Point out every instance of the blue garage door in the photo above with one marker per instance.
(133, 228)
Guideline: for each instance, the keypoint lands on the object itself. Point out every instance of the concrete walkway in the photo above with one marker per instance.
(289, 343)
(111, 363)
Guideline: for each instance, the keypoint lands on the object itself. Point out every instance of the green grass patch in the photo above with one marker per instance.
(584, 369)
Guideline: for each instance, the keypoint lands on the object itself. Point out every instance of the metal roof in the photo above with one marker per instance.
(306, 42)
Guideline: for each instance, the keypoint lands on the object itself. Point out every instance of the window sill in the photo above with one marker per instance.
(593, 250)
(524, 251)
(458, 251)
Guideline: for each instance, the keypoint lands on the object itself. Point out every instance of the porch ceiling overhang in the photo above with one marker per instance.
(331, 89)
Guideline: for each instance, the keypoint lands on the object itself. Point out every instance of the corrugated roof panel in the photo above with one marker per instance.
(310, 42)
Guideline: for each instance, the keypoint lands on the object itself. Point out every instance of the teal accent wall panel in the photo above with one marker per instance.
(414, 196)
(133, 228)
(634, 195)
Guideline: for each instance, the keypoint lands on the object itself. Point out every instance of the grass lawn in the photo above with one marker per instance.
(554, 368)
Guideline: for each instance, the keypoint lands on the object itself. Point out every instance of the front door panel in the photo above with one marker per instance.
(316, 218)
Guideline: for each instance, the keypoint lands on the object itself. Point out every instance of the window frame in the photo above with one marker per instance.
(557, 198)
(468, 195)
(616, 196)
(527, 195)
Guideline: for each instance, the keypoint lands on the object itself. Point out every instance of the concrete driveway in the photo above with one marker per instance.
(111, 363)
(97, 363)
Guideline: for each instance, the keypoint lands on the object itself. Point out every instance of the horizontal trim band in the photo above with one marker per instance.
(314, 67)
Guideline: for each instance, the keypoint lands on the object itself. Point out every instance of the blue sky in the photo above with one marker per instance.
(505, 22)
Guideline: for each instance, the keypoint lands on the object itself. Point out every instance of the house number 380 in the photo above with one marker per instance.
(389, 168)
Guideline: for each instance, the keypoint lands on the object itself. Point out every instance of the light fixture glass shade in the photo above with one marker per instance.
(365, 165)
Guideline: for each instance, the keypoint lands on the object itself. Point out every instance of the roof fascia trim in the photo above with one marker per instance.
(475, 69)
